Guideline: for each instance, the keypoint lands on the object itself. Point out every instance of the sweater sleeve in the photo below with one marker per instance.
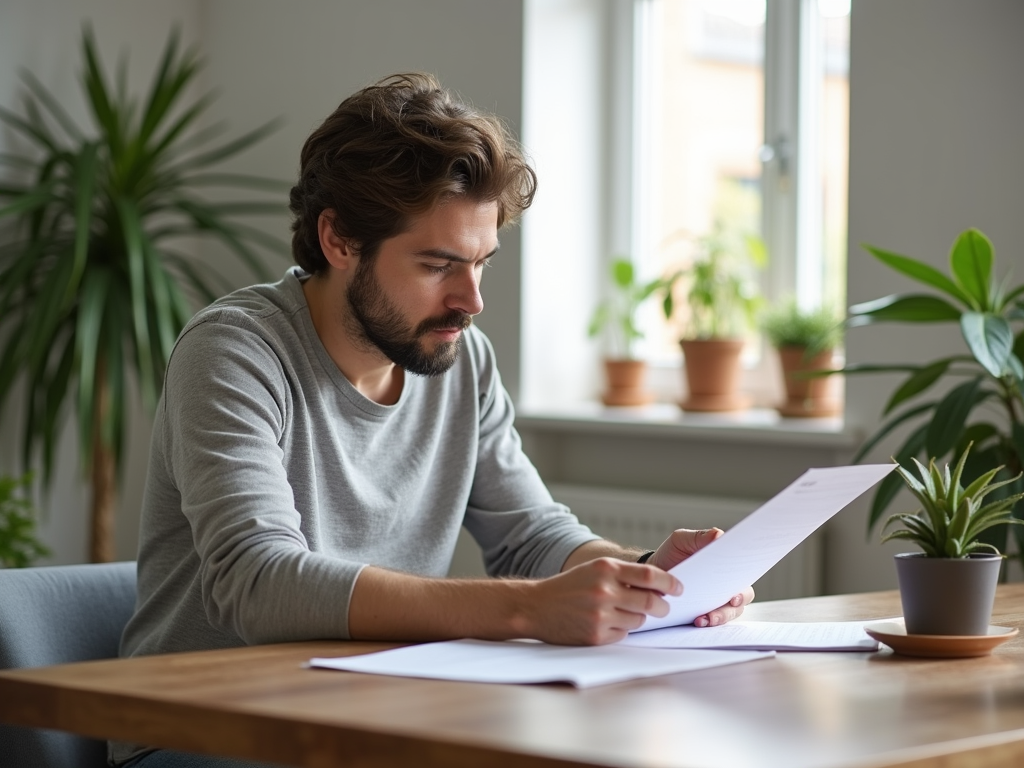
(521, 530)
(226, 404)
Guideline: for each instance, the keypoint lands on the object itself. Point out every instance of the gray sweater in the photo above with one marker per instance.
(272, 481)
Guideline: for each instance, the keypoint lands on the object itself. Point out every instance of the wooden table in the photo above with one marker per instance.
(798, 710)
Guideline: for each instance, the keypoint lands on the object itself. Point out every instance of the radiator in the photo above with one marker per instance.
(644, 519)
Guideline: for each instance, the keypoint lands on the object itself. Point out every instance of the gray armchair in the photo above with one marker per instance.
(59, 615)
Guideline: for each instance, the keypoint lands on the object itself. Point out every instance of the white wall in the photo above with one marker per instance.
(565, 234)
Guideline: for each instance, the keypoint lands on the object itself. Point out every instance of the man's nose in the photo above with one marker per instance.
(465, 297)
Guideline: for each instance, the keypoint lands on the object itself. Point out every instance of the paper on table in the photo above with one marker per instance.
(760, 636)
(750, 548)
(484, 661)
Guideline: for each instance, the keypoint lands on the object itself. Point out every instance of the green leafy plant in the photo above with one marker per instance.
(616, 315)
(19, 547)
(721, 294)
(93, 287)
(952, 518)
(985, 408)
(787, 325)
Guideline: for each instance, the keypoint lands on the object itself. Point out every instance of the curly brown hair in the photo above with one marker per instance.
(394, 150)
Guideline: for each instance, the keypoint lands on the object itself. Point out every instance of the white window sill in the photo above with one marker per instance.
(662, 420)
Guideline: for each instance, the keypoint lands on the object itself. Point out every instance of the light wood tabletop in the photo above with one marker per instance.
(797, 710)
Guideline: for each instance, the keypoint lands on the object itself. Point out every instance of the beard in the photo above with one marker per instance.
(380, 323)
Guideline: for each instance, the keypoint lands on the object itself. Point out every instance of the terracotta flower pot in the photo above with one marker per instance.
(947, 596)
(808, 397)
(626, 383)
(713, 374)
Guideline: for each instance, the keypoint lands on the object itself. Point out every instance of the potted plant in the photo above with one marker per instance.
(985, 408)
(722, 302)
(616, 318)
(19, 546)
(94, 284)
(805, 341)
(948, 588)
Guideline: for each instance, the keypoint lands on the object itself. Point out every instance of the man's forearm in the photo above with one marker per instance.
(389, 605)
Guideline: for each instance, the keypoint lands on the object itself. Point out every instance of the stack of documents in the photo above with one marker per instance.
(670, 644)
(760, 636)
(526, 661)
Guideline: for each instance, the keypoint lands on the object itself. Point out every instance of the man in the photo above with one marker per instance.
(321, 441)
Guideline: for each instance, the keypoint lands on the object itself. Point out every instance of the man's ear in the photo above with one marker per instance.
(340, 252)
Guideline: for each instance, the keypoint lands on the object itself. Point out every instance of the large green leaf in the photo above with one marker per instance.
(918, 382)
(231, 235)
(892, 483)
(229, 149)
(54, 106)
(977, 434)
(55, 393)
(971, 263)
(137, 273)
(248, 181)
(905, 308)
(923, 273)
(168, 82)
(107, 114)
(87, 339)
(889, 426)
(85, 185)
(35, 199)
(990, 340)
(1017, 443)
(36, 133)
(950, 416)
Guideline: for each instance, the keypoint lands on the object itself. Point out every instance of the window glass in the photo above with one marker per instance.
(698, 173)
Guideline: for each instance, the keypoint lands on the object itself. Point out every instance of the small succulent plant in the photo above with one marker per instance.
(952, 517)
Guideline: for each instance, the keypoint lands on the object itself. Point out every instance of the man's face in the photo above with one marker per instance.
(414, 299)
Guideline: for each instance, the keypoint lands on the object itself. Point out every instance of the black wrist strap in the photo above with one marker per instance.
(645, 556)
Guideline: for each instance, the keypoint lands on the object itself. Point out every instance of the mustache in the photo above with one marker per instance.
(459, 320)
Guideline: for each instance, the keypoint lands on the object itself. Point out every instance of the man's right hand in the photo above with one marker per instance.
(597, 602)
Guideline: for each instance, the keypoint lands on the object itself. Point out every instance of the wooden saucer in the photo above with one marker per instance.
(894, 634)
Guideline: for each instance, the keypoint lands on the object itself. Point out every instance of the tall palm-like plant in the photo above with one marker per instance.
(93, 292)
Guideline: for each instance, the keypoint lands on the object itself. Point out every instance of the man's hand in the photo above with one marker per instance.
(679, 546)
(597, 602)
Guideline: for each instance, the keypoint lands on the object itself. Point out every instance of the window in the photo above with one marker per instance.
(741, 130)
(648, 122)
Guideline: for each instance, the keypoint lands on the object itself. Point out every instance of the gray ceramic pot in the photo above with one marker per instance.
(947, 596)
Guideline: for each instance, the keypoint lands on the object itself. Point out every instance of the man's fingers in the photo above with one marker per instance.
(731, 610)
(628, 621)
(650, 577)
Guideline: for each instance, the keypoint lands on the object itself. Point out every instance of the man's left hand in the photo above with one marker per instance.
(679, 546)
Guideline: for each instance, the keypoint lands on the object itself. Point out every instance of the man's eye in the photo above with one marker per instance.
(439, 269)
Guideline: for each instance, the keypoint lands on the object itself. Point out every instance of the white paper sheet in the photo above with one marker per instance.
(484, 661)
(750, 548)
(760, 636)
